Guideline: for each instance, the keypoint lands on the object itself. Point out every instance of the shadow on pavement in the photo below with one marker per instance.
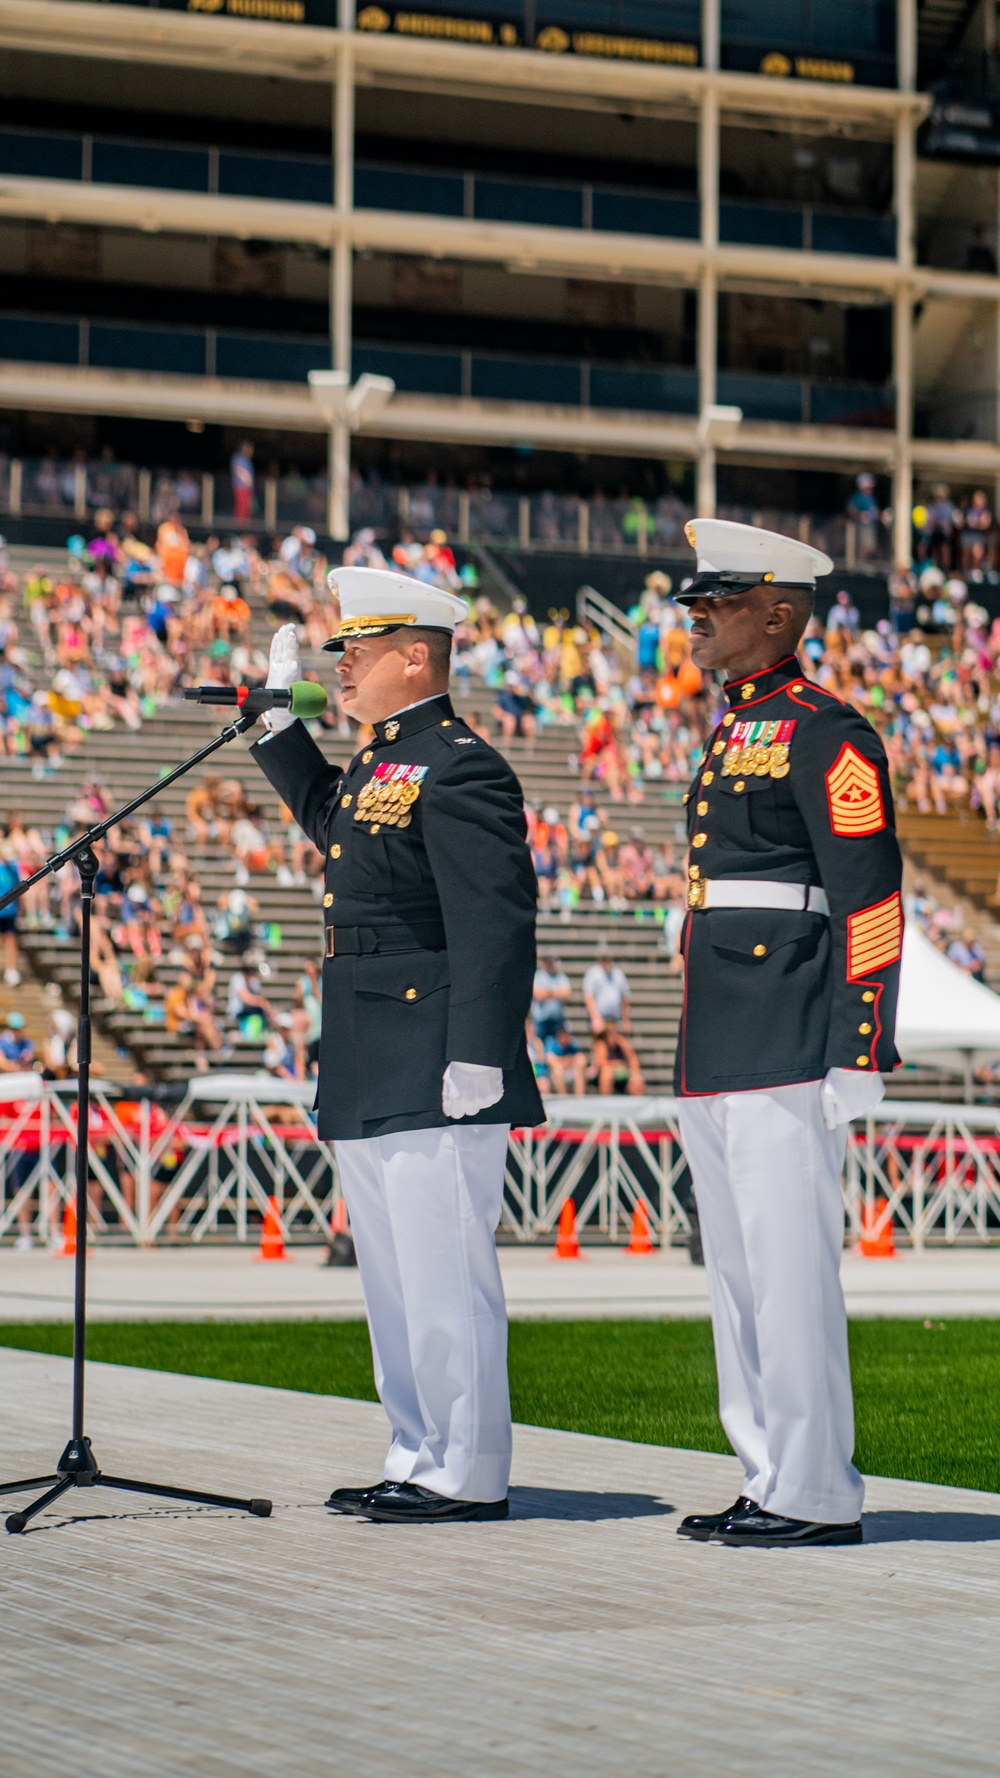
(930, 1527)
(583, 1504)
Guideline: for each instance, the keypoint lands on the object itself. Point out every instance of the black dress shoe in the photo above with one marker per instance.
(772, 1531)
(405, 1503)
(348, 1500)
(704, 1525)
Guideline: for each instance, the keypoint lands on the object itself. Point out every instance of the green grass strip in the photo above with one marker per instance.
(927, 1397)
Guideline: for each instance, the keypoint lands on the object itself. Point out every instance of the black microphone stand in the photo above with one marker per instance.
(77, 1467)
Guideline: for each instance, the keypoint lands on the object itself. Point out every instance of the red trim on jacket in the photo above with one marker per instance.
(785, 661)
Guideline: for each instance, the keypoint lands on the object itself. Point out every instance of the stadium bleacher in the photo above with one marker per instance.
(124, 764)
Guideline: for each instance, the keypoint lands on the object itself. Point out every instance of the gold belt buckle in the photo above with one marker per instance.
(329, 941)
(696, 893)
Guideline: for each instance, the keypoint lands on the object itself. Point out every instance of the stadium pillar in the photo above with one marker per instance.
(906, 45)
(902, 475)
(708, 299)
(995, 360)
(708, 295)
(904, 197)
(341, 283)
(710, 34)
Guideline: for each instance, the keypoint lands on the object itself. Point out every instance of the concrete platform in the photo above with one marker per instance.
(582, 1637)
(227, 1283)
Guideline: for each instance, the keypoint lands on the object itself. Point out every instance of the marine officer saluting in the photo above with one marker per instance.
(792, 947)
(430, 956)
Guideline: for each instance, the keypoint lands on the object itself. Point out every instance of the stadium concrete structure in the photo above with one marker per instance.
(563, 229)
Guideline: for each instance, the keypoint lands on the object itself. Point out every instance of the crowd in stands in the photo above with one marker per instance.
(131, 621)
(609, 1063)
(927, 677)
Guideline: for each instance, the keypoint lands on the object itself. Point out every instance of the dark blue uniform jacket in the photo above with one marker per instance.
(429, 913)
(793, 788)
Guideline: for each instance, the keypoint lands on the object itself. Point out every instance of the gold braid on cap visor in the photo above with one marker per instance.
(369, 626)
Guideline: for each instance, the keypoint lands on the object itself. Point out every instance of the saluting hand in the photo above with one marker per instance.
(284, 669)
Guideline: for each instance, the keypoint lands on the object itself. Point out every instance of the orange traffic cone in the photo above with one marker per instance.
(567, 1245)
(338, 1221)
(640, 1242)
(272, 1241)
(68, 1248)
(876, 1243)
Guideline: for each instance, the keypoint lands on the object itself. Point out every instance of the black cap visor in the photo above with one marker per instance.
(722, 584)
(337, 644)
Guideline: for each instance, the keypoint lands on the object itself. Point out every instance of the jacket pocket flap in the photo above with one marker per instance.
(753, 934)
(408, 976)
(743, 783)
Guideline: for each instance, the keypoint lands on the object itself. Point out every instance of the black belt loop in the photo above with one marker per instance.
(369, 941)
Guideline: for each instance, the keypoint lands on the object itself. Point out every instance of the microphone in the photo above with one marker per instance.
(305, 698)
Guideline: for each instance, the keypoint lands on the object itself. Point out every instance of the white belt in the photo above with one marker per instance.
(748, 892)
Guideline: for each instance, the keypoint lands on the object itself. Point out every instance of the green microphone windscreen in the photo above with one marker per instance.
(308, 699)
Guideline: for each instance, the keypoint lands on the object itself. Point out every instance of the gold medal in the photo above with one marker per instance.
(408, 794)
(404, 820)
(780, 771)
(763, 766)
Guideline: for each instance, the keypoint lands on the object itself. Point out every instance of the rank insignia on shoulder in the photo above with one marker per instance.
(465, 740)
(758, 750)
(388, 797)
(854, 795)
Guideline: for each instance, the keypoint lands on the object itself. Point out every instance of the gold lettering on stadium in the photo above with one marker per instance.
(286, 12)
(634, 49)
(426, 24)
(779, 67)
(818, 68)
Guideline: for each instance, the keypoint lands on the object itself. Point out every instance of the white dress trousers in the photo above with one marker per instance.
(766, 1174)
(424, 1208)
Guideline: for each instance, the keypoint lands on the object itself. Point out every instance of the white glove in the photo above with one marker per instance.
(847, 1093)
(284, 668)
(469, 1087)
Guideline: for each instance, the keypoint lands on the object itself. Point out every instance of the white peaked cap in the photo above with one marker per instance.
(375, 601)
(732, 557)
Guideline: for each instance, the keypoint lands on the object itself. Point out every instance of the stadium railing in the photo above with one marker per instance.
(203, 1169)
(551, 521)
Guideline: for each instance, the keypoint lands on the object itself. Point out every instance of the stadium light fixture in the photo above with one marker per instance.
(358, 404)
(718, 426)
(346, 408)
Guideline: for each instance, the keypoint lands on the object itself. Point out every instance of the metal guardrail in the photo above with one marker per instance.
(437, 191)
(561, 523)
(204, 1170)
(483, 375)
(593, 609)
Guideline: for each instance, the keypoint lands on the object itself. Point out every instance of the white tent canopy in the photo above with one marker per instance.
(944, 1018)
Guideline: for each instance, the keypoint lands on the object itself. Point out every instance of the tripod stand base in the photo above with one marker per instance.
(77, 1468)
